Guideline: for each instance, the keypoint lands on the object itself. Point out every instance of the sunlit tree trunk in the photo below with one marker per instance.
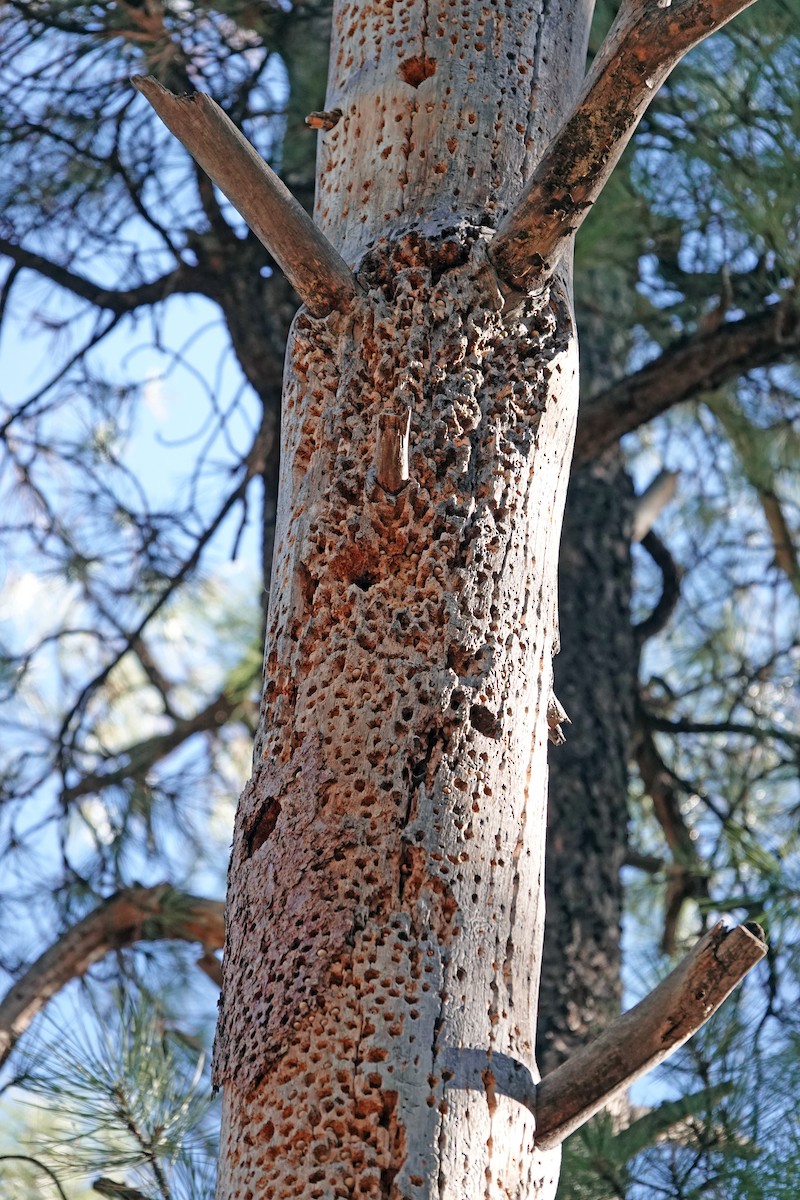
(385, 907)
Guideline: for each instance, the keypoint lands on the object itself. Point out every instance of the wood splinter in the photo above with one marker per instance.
(391, 451)
(648, 1033)
(324, 120)
(556, 717)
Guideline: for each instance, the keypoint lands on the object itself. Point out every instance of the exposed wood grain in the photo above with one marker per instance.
(391, 450)
(321, 278)
(646, 1034)
(446, 105)
(645, 42)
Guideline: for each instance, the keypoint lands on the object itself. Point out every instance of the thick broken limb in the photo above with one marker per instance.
(645, 42)
(132, 915)
(646, 1034)
(684, 371)
(316, 271)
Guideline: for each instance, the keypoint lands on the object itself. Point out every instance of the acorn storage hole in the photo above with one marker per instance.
(415, 70)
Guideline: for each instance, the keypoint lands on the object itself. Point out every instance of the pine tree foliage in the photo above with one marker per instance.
(130, 653)
(127, 1095)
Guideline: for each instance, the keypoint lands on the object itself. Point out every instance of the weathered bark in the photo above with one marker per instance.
(581, 989)
(385, 904)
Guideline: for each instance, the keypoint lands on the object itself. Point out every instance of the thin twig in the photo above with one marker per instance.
(41, 1166)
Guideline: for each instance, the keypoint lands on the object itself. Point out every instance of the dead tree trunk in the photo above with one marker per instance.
(385, 903)
(391, 840)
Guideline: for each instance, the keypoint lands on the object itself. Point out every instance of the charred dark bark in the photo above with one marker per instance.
(595, 678)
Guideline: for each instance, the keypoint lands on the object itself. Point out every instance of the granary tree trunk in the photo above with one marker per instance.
(385, 907)
(385, 904)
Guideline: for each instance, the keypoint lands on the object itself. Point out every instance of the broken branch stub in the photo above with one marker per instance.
(646, 1034)
(648, 38)
(316, 271)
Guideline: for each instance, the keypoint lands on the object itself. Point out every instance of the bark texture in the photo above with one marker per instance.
(384, 928)
(581, 989)
(385, 907)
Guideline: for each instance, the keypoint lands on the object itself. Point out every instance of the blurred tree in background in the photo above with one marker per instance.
(142, 332)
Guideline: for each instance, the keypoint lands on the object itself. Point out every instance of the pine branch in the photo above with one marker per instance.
(760, 732)
(648, 38)
(683, 371)
(752, 445)
(646, 1034)
(120, 302)
(27, 1158)
(132, 915)
(314, 268)
(670, 591)
(687, 877)
(140, 757)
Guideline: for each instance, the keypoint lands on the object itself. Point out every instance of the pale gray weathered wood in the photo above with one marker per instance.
(316, 271)
(645, 42)
(646, 1034)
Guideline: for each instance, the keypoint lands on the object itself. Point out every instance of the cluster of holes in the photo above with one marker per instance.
(334, 688)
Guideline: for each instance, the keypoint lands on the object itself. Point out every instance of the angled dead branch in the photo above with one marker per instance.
(646, 1034)
(316, 271)
(645, 42)
(685, 370)
(132, 915)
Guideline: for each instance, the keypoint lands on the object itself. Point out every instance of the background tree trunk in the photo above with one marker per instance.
(596, 678)
(581, 989)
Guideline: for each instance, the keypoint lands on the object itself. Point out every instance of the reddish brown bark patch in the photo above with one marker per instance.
(417, 69)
